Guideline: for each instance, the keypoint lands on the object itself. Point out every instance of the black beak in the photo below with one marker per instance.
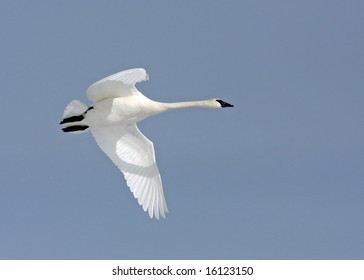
(224, 104)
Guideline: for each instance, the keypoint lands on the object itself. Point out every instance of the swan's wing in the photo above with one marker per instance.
(116, 85)
(133, 153)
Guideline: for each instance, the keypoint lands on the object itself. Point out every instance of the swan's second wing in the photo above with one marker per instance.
(116, 85)
(133, 153)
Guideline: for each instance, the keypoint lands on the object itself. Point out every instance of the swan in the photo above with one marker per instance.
(112, 119)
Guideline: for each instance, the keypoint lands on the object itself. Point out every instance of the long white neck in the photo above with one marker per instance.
(187, 104)
(147, 107)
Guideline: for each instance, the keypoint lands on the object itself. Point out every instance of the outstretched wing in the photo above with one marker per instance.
(116, 85)
(133, 154)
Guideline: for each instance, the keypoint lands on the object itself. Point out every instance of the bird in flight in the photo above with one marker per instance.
(112, 119)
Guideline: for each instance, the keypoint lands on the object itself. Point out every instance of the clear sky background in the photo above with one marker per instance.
(280, 176)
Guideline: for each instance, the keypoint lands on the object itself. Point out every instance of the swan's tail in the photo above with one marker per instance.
(73, 117)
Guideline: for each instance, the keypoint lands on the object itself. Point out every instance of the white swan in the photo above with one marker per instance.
(112, 119)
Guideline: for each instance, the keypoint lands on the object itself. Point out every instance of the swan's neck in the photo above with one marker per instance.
(186, 104)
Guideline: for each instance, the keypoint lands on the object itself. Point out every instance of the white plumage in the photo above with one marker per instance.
(112, 119)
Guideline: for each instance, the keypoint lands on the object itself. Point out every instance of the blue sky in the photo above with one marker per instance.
(279, 176)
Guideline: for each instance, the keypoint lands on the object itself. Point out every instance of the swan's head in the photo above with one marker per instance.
(218, 103)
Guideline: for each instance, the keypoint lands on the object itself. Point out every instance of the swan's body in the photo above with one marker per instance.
(112, 119)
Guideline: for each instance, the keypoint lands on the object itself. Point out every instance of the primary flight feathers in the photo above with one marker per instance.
(112, 119)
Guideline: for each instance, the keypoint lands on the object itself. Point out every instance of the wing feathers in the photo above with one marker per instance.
(116, 85)
(128, 77)
(134, 155)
